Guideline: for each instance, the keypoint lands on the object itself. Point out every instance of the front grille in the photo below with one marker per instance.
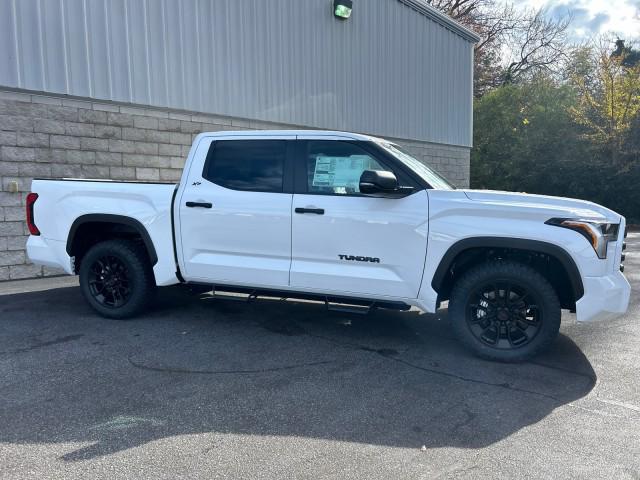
(624, 247)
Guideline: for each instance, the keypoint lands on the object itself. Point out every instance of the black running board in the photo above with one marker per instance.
(332, 302)
(244, 296)
(347, 308)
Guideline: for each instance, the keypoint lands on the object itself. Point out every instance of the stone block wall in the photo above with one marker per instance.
(451, 161)
(50, 136)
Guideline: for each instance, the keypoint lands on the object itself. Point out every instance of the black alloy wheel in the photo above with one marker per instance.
(109, 281)
(116, 278)
(504, 310)
(503, 315)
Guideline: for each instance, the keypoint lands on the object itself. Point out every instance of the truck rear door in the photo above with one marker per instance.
(235, 211)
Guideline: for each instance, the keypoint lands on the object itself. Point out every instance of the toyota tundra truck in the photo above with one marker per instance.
(348, 219)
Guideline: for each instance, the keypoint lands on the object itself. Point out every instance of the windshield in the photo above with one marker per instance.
(431, 177)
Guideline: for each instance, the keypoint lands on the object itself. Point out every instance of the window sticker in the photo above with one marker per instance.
(341, 172)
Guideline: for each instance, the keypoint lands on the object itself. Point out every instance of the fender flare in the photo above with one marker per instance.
(550, 249)
(119, 219)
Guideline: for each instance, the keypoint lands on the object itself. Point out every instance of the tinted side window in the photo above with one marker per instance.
(334, 167)
(253, 165)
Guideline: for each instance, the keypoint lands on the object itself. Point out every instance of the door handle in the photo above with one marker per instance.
(199, 204)
(317, 211)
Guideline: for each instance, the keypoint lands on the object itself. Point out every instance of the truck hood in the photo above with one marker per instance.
(543, 204)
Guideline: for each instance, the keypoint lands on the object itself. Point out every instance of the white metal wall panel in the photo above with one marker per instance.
(9, 66)
(389, 70)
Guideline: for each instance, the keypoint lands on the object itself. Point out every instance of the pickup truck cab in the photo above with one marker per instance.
(344, 218)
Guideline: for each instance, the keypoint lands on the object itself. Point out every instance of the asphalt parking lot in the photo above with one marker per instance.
(209, 388)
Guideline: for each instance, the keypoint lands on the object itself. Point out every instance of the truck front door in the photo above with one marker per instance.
(235, 212)
(351, 243)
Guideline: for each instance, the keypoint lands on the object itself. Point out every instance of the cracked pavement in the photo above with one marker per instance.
(210, 388)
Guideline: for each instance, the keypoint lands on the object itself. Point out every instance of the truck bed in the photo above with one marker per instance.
(63, 202)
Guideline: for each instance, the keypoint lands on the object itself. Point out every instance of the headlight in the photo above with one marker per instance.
(597, 233)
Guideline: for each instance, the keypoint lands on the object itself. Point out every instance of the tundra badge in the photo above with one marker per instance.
(357, 258)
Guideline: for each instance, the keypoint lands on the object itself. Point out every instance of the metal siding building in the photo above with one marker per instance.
(117, 88)
(388, 70)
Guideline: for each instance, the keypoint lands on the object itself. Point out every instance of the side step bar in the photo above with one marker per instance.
(347, 308)
(332, 303)
(235, 296)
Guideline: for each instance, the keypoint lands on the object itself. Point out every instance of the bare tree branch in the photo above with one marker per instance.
(542, 44)
(513, 43)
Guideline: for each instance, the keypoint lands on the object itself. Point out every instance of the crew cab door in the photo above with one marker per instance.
(346, 242)
(235, 211)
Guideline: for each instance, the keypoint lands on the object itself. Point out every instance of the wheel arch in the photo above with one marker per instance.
(114, 224)
(473, 247)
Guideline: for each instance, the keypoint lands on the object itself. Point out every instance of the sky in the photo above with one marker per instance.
(593, 17)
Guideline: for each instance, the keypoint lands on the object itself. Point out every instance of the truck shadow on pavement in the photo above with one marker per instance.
(265, 368)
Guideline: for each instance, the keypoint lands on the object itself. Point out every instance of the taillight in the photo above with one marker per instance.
(31, 199)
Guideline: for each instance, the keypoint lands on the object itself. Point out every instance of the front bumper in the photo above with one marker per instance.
(604, 298)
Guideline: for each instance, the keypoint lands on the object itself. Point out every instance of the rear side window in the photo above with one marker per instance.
(249, 165)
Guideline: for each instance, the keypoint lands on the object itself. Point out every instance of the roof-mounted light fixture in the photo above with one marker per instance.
(342, 8)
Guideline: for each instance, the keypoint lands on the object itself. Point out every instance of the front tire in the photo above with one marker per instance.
(504, 311)
(116, 279)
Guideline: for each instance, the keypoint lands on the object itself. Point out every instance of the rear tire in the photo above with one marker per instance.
(504, 311)
(116, 279)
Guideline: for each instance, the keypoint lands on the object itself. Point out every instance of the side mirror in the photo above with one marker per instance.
(378, 181)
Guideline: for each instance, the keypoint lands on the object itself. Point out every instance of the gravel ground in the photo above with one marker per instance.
(210, 388)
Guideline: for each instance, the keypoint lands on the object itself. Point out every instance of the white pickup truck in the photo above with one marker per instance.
(343, 218)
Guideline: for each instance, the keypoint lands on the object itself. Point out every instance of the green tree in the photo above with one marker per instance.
(608, 106)
(525, 138)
